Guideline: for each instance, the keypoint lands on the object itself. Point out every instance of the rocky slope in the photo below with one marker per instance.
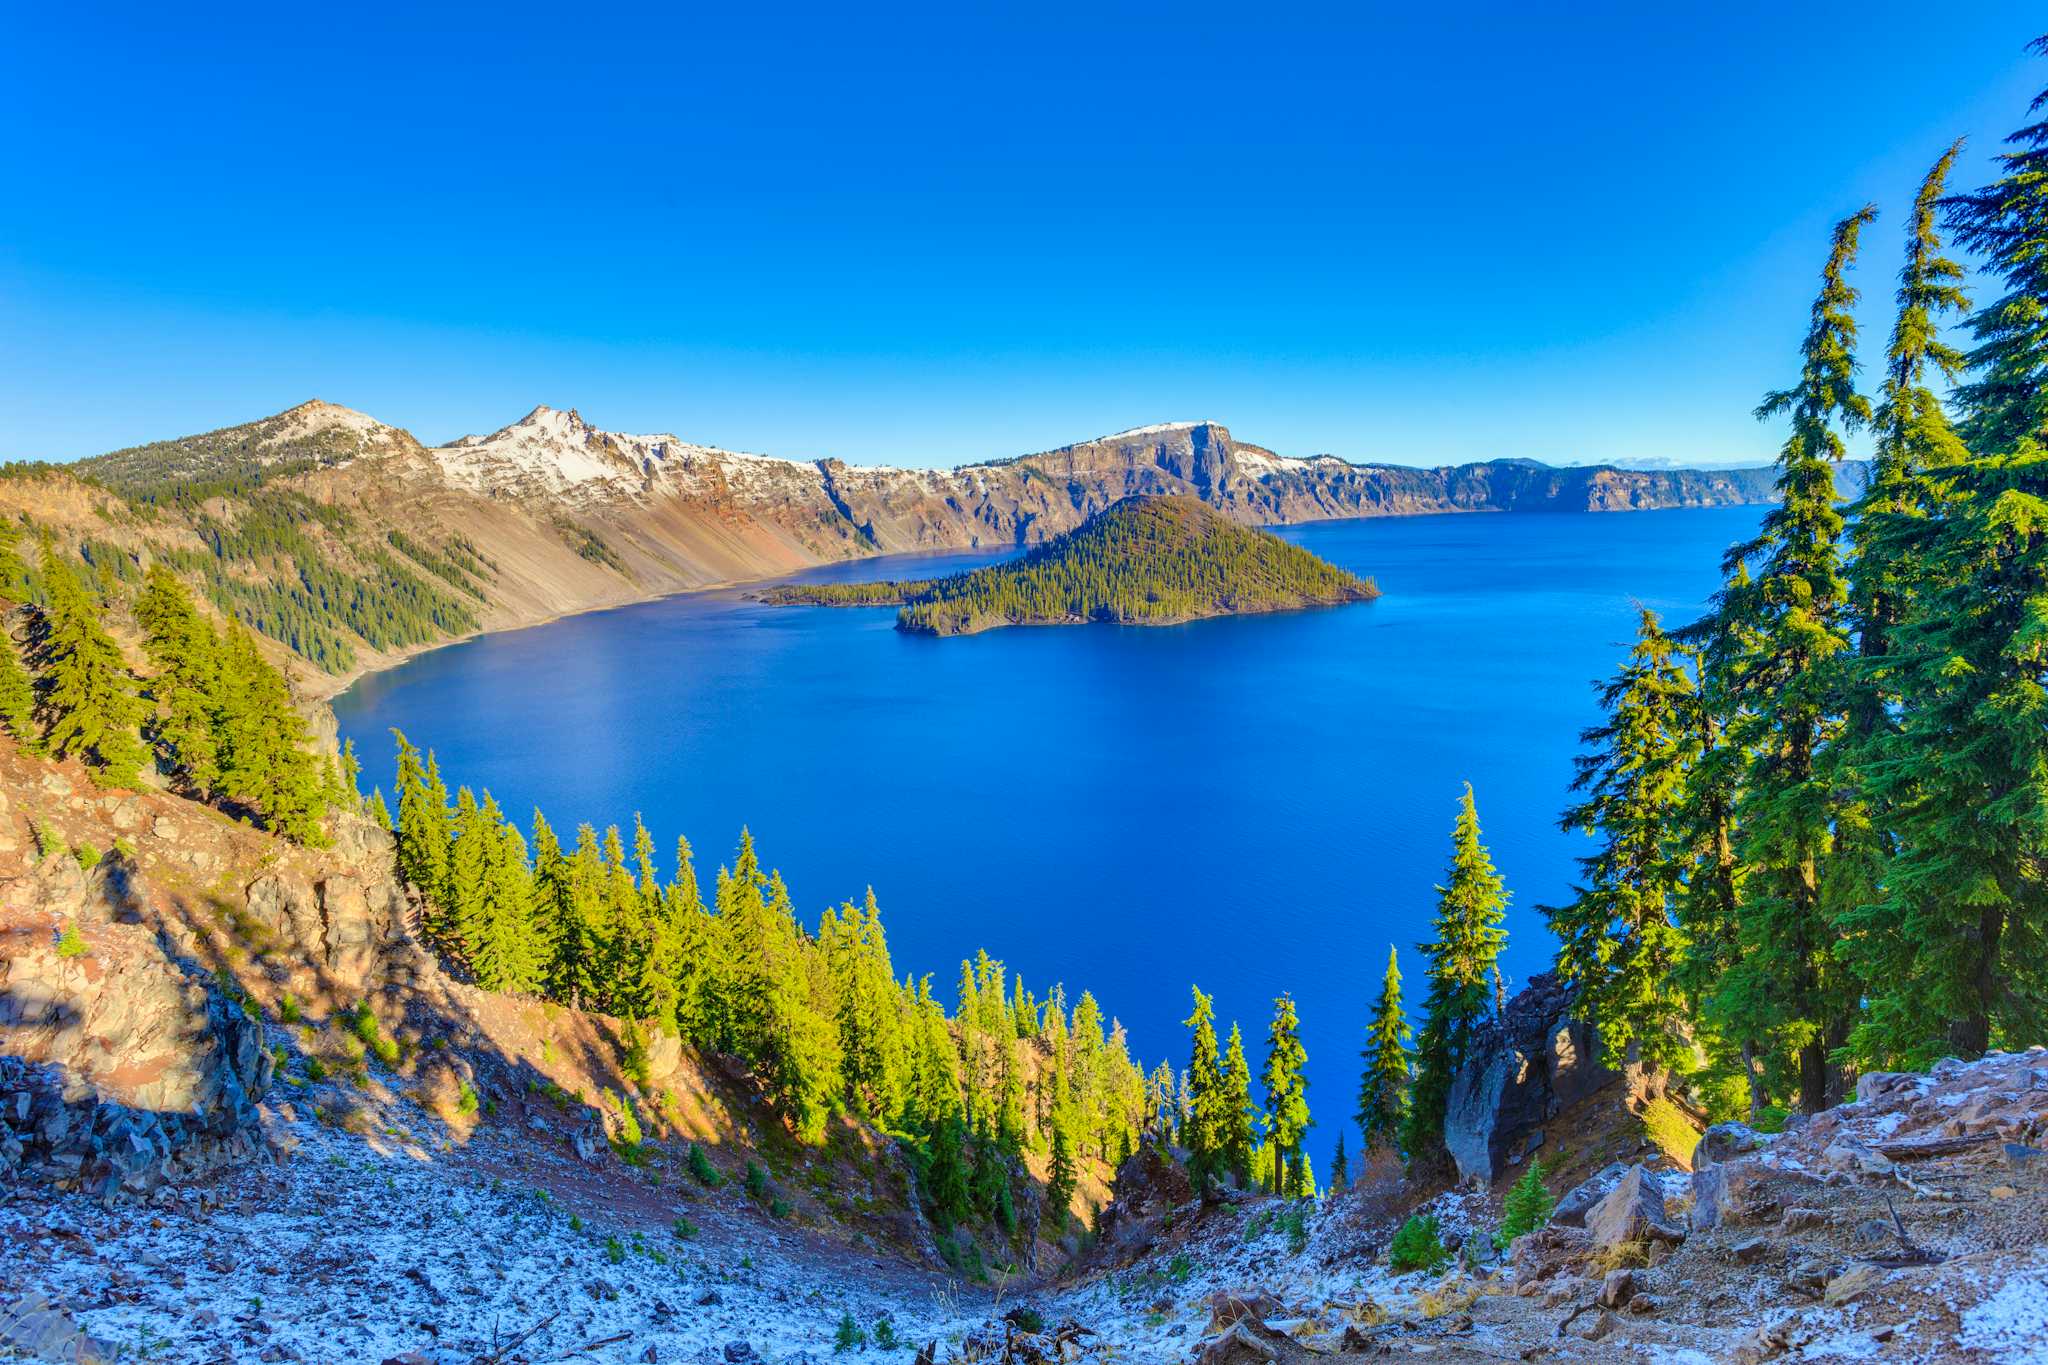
(552, 515)
(244, 1116)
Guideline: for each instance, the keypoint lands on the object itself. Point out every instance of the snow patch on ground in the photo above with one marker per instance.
(2010, 1325)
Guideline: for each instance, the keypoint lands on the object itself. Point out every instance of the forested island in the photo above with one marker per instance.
(1143, 561)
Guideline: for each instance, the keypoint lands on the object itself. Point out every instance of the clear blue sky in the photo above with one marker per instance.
(932, 234)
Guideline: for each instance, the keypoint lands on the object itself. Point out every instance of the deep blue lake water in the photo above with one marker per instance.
(1256, 804)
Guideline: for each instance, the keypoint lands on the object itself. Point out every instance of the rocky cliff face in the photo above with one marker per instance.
(131, 1052)
(1526, 1067)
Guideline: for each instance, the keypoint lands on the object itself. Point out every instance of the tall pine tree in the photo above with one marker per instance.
(1287, 1114)
(1785, 983)
(1463, 958)
(1383, 1087)
(89, 700)
(1617, 939)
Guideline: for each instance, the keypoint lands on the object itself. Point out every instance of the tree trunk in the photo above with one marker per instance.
(1970, 1035)
(1753, 1074)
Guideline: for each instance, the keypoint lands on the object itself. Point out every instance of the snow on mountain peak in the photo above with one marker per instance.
(554, 452)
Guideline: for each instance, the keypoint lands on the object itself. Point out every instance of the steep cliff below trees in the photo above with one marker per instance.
(352, 544)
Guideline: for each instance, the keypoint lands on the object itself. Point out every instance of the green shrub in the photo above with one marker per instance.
(316, 1070)
(849, 1337)
(288, 1008)
(685, 1229)
(634, 1063)
(88, 856)
(757, 1180)
(613, 1251)
(124, 850)
(700, 1166)
(1418, 1245)
(1293, 1221)
(466, 1100)
(1028, 1320)
(885, 1334)
(70, 943)
(779, 1208)
(1527, 1209)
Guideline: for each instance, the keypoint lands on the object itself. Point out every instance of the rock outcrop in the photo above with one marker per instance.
(1524, 1068)
(120, 1070)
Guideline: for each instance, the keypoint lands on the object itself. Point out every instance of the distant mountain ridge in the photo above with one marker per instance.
(282, 518)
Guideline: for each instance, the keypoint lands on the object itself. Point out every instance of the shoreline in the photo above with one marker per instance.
(321, 689)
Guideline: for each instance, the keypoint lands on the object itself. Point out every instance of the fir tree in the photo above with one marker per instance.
(1287, 1114)
(1063, 1177)
(186, 685)
(1205, 1129)
(17, 694)
(89, 699)
(1340, 1167)
(1617, 939)
(2006, 225)
(1462, 962)
(1784, 983)
(1240, 1119)
(1383, 1087)
(264, 761)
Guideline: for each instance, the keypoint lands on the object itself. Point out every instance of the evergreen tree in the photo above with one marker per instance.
(1205, 1129)
(1340, 1167)
(378, 813)
(422, 821)
(1959, 953)
(264, 762)
(462, 909)
(17, 694)
(89, 699)
(1240, 1119)
(1785, 983)
(1287, 1115)
(1063, 1177)
(186, 684)
(1383, 1088)
(2006, 225)
(1462, 961)
(1617, 939)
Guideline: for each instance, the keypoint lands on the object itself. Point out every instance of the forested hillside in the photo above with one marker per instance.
(1145, 561)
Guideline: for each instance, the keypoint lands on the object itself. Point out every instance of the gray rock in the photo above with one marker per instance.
(1577, 1202)
(1633, 1211)
(1725, 1142)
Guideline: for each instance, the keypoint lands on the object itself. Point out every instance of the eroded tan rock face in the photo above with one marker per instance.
(118, 1067)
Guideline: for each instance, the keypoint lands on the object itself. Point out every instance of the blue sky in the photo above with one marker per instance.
(932, 234)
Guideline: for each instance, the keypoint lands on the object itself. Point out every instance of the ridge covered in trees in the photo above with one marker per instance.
(1142, 561)
(211, 714)
(817, 1012)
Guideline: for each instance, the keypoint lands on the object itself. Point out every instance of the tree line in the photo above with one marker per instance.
(211, 714)
(818, 1015)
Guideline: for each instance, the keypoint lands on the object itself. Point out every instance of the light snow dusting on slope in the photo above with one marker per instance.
(557, 454)
(2011, 1324)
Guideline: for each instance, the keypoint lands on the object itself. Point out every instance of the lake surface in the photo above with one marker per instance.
(1256, 804)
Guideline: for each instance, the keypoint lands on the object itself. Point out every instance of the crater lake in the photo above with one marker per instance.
(1253, 804)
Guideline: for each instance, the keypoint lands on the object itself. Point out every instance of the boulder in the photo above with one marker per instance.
(1228, 1306)
(664, 1055)
(1725, 1142)
(1633, 1211)
(1578, 1201)
(1732, 1193)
